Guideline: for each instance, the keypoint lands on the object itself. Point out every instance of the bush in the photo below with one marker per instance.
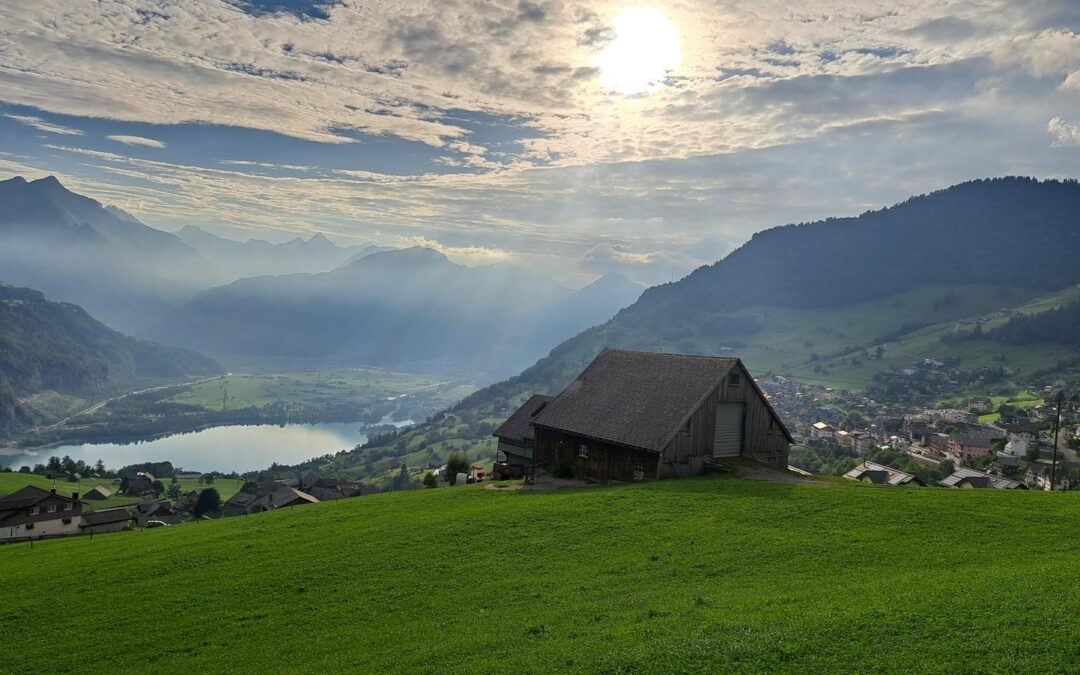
(455, 465)
(430, 480)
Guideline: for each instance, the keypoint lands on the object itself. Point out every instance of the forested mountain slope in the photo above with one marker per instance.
(54, 346)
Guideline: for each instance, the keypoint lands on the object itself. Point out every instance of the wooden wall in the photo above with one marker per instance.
(605, 462)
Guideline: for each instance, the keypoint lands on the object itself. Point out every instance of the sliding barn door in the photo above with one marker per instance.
(728, 441)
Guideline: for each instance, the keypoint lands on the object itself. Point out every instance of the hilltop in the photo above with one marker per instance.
(704, 574)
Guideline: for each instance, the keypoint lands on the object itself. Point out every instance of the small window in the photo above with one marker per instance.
(734, 380)
(583, 451)
(52, 508)
(66, 521)
(34, 511)
(67, 506)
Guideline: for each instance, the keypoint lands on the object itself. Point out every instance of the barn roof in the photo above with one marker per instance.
(104, 516)
(636, 399)
(977, 478)
(518, 427)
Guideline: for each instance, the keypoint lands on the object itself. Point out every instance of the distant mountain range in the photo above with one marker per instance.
(404, 307)
(58, 347)
(73, 248)
(256, 257)
(308, 298)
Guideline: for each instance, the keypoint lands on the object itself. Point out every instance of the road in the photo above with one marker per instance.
(100, 404)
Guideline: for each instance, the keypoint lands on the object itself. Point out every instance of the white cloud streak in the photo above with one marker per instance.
(42, 125)
(136, 140)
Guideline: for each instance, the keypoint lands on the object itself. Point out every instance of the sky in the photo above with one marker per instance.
(584, 137)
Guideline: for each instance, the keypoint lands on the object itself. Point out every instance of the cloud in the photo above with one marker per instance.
(42, 125)
(1064, 134)
(469, 255)
(136, 140)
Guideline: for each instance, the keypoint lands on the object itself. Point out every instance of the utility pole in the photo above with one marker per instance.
(1059, 401)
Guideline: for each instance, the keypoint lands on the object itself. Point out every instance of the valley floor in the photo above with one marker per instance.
(701, 574)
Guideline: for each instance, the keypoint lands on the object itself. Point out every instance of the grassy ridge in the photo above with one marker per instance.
(703, 574)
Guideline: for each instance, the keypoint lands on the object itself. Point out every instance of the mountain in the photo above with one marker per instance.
(55, 346)
(836, 301)
(74, 249)
(397, 307)
(256, 257)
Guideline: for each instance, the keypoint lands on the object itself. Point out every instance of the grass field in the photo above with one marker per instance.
(789, 339)
(10, 482)
(361, 385)
(707, 575)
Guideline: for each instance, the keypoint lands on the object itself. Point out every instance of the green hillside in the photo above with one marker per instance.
(705, 574)
(14, 481)
(57, 347)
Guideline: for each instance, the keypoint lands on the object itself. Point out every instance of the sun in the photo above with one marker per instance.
(645, 50)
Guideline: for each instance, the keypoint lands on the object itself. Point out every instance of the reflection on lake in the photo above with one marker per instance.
(225, 449)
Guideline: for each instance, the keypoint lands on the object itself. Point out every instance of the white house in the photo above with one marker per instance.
(34, 513)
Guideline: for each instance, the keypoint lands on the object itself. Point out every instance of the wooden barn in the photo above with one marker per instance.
(640, 415)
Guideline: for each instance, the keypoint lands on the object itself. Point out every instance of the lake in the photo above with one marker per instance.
(225, 449)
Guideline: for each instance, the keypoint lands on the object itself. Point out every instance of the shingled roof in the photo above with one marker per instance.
(518, 427)
(635, 399)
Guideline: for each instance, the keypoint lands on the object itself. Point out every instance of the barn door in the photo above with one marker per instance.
(728, 441)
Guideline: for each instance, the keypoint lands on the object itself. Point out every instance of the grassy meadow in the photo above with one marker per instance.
(359, 385)
(10, 482)
(702, 575)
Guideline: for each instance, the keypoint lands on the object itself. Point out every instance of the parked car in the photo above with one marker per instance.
(151, 524)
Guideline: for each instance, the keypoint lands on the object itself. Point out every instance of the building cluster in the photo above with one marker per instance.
(1011, 451)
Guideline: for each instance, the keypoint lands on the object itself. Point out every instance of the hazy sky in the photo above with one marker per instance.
(585, 136)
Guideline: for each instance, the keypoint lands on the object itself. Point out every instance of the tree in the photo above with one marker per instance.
(455, 465)
(158, 486)
(24, 469)
(174, 491)
(402, 480)
(174, 480)
(430, 480)
(209, 501)
(210, 479)
(99, 467)
(124, 483)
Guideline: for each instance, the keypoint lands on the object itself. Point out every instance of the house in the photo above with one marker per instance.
(862, 442)
(636, 415)
(1043, 477)
(970, 478)
(879, 474)
(142, 483)
(516, 434)
(1016, 448)
(844, 439)
(1028, 431)
(239, 504)
(98, 493)
(34, 513)
(161, 509)
(976, 403)
(822, 432)
(968, 445)
(105, 520)
(280, 496)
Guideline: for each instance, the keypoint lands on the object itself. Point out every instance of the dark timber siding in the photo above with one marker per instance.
(604, 462)
(763, 438)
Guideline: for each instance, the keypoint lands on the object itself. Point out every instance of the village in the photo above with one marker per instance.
(878, 437)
